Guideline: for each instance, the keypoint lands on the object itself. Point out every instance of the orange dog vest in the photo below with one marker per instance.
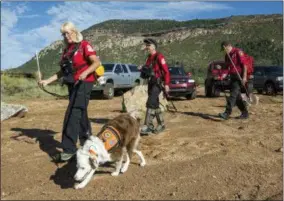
(110, 137)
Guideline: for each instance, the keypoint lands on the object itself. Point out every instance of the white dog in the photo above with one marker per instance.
(96, 150)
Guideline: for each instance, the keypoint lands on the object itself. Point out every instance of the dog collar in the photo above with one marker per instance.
(92, 150)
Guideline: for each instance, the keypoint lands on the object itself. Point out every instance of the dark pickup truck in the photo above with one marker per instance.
(268, 79)
(181, 85)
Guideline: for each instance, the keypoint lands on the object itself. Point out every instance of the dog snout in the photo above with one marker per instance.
(76, 177)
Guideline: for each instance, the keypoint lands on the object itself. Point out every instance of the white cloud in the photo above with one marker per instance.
(8, 19)
(30, 16)
(18, 48)
(21, 8)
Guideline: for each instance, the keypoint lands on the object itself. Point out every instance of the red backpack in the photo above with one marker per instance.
(249, 62)
(250, 65)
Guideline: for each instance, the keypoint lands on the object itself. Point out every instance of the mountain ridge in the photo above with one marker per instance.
(194, 43)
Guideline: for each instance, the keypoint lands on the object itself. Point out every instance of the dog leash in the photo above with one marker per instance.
(167, 96)
(72, 100)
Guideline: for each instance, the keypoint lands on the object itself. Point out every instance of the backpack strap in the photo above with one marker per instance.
(76, 48)
(239, 58)
(70, 56)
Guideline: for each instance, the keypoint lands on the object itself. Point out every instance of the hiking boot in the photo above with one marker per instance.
(146, 130)
(224, 115)
(148, 124)
(62, 157)
(161, 124)
(159, 129)
(244, 115)
(66, 156)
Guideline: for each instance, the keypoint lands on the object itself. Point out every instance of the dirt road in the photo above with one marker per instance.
(199, 156)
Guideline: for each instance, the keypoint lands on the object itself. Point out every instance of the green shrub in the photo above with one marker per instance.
(13, 88)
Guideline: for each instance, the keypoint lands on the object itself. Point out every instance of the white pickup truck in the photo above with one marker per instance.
(117, 77)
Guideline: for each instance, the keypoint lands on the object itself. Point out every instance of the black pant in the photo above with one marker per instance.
(76, 121)
(154, 91)
(235, 96)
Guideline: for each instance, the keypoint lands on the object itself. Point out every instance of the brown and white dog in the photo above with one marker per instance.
(120, 135)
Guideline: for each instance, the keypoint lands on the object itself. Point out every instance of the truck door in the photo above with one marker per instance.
(258, 77)
(126, 75)
(118, 76)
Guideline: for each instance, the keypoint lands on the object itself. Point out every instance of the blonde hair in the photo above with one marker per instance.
(69, 26)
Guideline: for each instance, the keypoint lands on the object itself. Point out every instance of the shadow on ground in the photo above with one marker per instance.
(46, 140)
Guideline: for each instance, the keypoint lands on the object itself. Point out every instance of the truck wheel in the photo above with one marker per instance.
(191, 96)
(108, 91)
(208, 89)
(259, 91)
(137, 83)
(270, 89)
(216, 91)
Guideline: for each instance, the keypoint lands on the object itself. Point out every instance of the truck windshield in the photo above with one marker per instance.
(133, 68)
(275, 70)
(108, 67)
(220, 65)
(176, 71)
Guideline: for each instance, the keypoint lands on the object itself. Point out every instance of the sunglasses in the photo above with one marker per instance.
(66, 33)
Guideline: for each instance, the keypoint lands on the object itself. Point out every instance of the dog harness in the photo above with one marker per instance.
(110, 137)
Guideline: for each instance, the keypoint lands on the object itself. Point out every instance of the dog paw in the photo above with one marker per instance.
(114, 174)
(124, 169)
(142, 164)
(78, 186)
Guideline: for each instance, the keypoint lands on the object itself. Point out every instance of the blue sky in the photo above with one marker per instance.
(29, 26)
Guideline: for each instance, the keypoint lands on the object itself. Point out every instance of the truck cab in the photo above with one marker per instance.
(117, 76)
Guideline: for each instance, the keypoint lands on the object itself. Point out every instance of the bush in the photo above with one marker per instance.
(13, 88)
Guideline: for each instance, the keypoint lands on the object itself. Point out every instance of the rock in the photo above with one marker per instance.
(172, 194)
(12, 110)
(241, 128)
(279, 150)
(135, 100)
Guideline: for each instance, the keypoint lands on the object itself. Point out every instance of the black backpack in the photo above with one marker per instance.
(67, 69)
(147, 72)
